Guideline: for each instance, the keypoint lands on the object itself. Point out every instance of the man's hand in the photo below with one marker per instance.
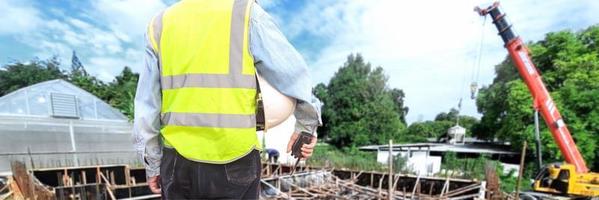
(307, 149)
(153, 184)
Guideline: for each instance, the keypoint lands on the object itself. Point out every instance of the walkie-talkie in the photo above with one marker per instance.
(296, 149)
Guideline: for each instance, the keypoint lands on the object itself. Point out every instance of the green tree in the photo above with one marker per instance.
(569, 64)
(359, 108)
(79, 77)
(452, 116)
(89, 83)
(123, 91)
(398, 97)
(21, 74)
(448, 116)
(420, 131)
(119, 93)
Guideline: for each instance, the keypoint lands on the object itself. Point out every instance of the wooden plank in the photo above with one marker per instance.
(7, 196)
(127, 176)
(108, 186)
(83, 177)
(25, 186)
(22, 179)
(462, 190)
(15, 188)
(301, 189)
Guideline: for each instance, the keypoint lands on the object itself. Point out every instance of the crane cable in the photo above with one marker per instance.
(475, 71)
(476, 68)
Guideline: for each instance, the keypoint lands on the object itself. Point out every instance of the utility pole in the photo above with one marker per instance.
(521, 170)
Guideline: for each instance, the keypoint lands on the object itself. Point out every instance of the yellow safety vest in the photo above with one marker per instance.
(208, 79)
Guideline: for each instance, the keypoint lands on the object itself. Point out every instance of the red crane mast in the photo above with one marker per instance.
(541, 98)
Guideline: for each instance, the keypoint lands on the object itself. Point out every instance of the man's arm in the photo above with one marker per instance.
(146, 125)
(283, 67)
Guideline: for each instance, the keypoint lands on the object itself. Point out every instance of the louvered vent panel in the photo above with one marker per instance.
(64, 105)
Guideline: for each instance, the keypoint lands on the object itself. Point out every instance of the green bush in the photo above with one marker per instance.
(349, 158)
(474, 168)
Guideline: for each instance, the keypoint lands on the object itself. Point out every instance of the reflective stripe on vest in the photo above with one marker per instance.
(207, 78)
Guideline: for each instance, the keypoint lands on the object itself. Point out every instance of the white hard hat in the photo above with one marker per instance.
(277, 106)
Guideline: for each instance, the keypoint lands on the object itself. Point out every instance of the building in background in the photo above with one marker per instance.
(426, 158)
(57, 124)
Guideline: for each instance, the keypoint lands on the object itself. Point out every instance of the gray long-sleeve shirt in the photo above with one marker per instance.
(276, 60)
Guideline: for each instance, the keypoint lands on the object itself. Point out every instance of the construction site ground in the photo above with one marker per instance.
(278, 182)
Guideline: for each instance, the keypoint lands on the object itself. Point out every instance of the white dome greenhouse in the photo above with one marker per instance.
(57, 124)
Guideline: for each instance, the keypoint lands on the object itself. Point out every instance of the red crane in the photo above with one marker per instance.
(541, 98)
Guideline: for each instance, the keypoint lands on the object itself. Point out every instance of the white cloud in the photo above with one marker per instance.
(53, 49)
(128, 17)
(429, 47)
(327, 12)
(61, 36)
(107, 38)
(108, 67)
(18, 16)
(122, 43)
(80, 24)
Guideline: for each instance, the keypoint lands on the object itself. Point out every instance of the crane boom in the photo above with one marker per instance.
(541, 98)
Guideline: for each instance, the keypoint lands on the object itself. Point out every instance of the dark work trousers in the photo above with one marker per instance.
(186, 179)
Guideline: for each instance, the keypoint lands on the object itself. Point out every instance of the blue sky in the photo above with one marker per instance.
(428, 48)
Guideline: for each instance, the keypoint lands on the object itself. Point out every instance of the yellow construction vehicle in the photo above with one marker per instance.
(563, 179)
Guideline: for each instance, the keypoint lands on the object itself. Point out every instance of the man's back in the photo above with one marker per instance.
(195, 104)
(208, 80)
